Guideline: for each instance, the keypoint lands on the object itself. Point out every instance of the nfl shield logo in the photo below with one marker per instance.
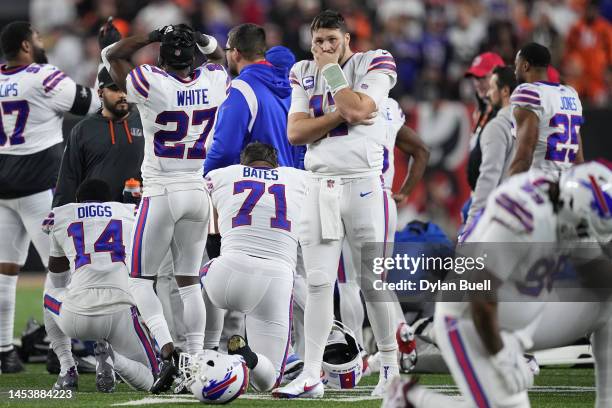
(330, 183)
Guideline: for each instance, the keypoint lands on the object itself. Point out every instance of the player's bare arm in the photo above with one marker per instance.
(527, 138)
(409, 143)
(304, 129)
(119, 56)
(580, 153)
(58, 264)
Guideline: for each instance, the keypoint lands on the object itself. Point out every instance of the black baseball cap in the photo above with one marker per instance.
(104, 79)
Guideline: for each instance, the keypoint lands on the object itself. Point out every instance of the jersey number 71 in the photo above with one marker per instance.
(257, 191)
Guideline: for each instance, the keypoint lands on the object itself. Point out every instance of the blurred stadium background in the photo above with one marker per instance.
(433, 42)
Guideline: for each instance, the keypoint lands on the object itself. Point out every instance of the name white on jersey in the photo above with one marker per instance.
(349, 151)
(259, 209)
(395, 120)
(178, 117)
(33, 99)
(559, 111)
(95, 239)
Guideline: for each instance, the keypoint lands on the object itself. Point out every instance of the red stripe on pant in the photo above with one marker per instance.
(464, 363)
(146, 342)
(137, 249)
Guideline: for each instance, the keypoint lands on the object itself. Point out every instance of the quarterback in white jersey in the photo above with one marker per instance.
(540, 221)
(33, 99)
(178, 106)
(335, 111)
(408, 142)
(546, 116)
(86, 293)
(258, 206)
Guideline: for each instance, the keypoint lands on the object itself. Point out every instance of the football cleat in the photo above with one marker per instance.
(304, 386)
(532, 363)
(386, 376)
(293, 368)
(238, 345)
(105, 372)
(396, 395)
(168, 371)
(68, 381)
(10, 362)
(406, 344)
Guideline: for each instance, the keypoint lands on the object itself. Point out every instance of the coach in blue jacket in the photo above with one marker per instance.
(258, 101)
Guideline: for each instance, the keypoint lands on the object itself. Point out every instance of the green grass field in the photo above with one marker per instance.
(566, 388)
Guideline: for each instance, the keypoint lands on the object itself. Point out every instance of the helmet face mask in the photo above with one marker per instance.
(342, 363)
(212, 377)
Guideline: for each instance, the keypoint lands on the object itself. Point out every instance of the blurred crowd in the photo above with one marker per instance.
(433, 42)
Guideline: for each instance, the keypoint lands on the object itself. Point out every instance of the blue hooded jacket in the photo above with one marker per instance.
(256, 109)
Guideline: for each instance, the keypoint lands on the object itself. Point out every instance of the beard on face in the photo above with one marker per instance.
(39, 55)
(114, 107)
(233, 69)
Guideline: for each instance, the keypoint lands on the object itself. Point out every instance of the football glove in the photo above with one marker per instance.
(47, 224)
(511, 365)
(108, 34)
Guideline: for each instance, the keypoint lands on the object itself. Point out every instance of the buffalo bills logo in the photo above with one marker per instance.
(215, 389)
(308, 82)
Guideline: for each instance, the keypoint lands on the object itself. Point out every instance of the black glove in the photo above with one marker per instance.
(157, 35)
(200, 39)
(108, 34)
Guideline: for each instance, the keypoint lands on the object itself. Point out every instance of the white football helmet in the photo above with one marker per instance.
(212, 377)
(342, 362)
(585, 195)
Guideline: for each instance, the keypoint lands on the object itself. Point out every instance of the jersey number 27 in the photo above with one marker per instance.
(177, 151)
(111, 240)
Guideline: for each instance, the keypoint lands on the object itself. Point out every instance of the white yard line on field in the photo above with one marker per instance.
(355, 395)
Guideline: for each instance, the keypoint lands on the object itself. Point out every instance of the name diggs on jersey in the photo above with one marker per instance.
(9, 89)
(264, 174)
(192, 97)
(94, 210)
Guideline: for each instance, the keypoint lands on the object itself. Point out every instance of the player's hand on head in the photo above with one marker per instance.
(511, 366)
(108, 34)
(157, 34)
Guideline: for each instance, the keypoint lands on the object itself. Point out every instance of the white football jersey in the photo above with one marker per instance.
(349, 151)
(95, 237)
(33, 99)
(178, 116)
(517, 236)
(395, 120)
(559, 111)
(259, 209)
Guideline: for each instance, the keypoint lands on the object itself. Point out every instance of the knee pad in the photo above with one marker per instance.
(317, 279)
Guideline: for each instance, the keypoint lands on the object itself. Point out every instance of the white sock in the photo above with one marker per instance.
(194, 318)
(57, 280)
(318, 318)
(351, 308)
(382, 318)
(150, 309)
(214, 323)
(263, 376)
(8, 288)
(135, 374)
(60, 343)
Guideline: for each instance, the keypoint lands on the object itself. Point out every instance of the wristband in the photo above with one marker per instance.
(104, 58)
(210, 48)
(334, 75)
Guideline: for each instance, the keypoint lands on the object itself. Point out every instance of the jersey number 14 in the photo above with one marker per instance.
(111, 240)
